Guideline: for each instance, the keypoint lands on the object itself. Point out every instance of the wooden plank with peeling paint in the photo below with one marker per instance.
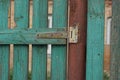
(20, 59)
(39, 57)
(59, 52)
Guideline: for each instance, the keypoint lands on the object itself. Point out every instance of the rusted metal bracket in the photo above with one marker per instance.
(54, 35)
(71, 35)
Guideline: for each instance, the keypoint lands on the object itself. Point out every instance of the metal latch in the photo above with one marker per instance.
(71, 34)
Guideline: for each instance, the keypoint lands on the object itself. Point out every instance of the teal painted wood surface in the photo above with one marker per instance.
(20, 69)
(30, 36)
(39, 57)
(20, 64)
(4, 49)
(115, 41)
(59, 52)
(95, 40)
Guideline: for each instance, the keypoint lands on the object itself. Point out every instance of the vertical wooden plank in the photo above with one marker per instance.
(115, 41)
(39, 60)
(77, 52)
(95, 40)
(4, 49)
(59, 52)
(20, 64)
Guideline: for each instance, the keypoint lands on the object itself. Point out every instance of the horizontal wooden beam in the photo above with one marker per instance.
(36, 36)
(28, 30)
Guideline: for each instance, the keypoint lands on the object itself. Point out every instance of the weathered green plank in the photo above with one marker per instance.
(20, 69)
(95, 40)
(4, 49)
(59, 52)
(35, 30)
(39, 60)
(30, 36)
(20, 65)
(115, 41)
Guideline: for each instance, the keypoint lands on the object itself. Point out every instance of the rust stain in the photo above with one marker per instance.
(77, 52)
(52, 35)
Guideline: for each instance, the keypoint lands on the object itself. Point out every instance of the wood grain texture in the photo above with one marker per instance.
(4, 49)
(30, 36)
(77, 52)
(59, 52)
(115, 41)
(39, 60)
(95, 40)
(20, 61)
(20, 65)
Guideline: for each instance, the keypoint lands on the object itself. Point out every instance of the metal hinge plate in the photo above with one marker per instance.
(73, 34)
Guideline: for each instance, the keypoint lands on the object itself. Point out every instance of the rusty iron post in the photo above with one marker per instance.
(77, 52)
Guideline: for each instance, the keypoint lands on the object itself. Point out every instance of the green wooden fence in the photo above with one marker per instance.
(21, 36)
